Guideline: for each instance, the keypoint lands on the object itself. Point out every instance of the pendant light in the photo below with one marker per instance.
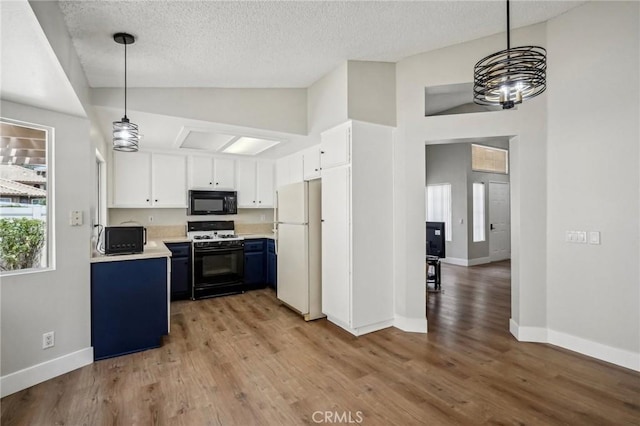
(510, 76)
(125, 133)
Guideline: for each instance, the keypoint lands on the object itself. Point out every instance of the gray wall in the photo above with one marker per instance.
(59, 299)
(594, 290)
(447, 163)
(451, 163)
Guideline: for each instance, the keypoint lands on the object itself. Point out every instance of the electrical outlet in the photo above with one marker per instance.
(150, 219)
(75, 218)
(263, 218)
(48, 340)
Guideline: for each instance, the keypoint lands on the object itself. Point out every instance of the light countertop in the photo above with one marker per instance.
(256, 236)
(157, 248)
(153, 248)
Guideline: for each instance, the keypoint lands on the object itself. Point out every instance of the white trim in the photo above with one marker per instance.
(410, 325)
(478, 261)
(596, 350)
(39, 373)
(466, 262)
(359, 331)
(621, 357)
(455, 261)
(528, 334)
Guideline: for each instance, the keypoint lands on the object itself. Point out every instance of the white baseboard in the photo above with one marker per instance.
(411, 325)
(528, 334)
(479, 261)
(621, 357)
(455, 261)
(466, 262)
(359, 331)
(39, 373)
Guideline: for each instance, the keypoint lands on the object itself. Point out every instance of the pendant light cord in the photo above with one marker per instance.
(508, 34)
(125, 79)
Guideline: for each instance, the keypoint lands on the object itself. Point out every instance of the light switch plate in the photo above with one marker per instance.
(594, 237)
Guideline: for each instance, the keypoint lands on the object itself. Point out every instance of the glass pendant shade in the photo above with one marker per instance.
(510, 76)
(125, 135)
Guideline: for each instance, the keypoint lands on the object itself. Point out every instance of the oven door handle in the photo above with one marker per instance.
(200, 250)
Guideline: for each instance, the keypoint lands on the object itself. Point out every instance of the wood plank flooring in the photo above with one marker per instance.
(247, 360)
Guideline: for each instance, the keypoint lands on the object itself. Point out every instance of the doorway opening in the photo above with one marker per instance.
(474, 282)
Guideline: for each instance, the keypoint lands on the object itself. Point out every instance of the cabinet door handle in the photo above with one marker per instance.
(316, 170)
(217, 184)
(321, 152)
(210, 183)
(156, 201)
(254, 202)
(259, 202)
(147, 200)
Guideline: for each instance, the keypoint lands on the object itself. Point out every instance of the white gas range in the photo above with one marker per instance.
(218, 258)
(212, 231)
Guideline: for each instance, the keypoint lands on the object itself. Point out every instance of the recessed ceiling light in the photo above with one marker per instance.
(249, 146)
(205, 140)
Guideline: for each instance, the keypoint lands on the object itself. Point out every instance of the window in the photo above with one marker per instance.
(488, 159)
(478, 212)
(439, 206)
(25, 183)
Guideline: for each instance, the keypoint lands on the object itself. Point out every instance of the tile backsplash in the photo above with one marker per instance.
(179, 218)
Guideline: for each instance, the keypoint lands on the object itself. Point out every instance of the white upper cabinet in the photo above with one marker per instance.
(143, 179)
(265, 185)
(255, 183)
(290, 169)
(335, 148)
(169, 180)
(224, 173)
(131, 179)
(311, 163)
(246, 171)
(212, 173)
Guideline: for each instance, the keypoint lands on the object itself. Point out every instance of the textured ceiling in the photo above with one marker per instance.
(273, 44)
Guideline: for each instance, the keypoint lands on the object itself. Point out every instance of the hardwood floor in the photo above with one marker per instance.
(247, 360)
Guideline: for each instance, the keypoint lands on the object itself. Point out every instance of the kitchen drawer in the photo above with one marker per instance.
(254, 245)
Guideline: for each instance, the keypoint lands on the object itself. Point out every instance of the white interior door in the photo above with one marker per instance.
(499, 223)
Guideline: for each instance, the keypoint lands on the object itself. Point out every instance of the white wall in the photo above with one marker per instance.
(454, 65)
(327, 102)
(372, 92)
(593, 139)
(56, 300)
(281, 110)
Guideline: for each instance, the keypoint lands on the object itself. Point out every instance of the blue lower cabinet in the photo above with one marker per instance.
(272, 265)
(180, 270)
(255, 266)
(128, 306)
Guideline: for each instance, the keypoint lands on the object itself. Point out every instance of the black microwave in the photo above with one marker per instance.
(212, 202)
(124, 239)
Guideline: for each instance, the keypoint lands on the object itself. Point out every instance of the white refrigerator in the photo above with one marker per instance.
(299, 248)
